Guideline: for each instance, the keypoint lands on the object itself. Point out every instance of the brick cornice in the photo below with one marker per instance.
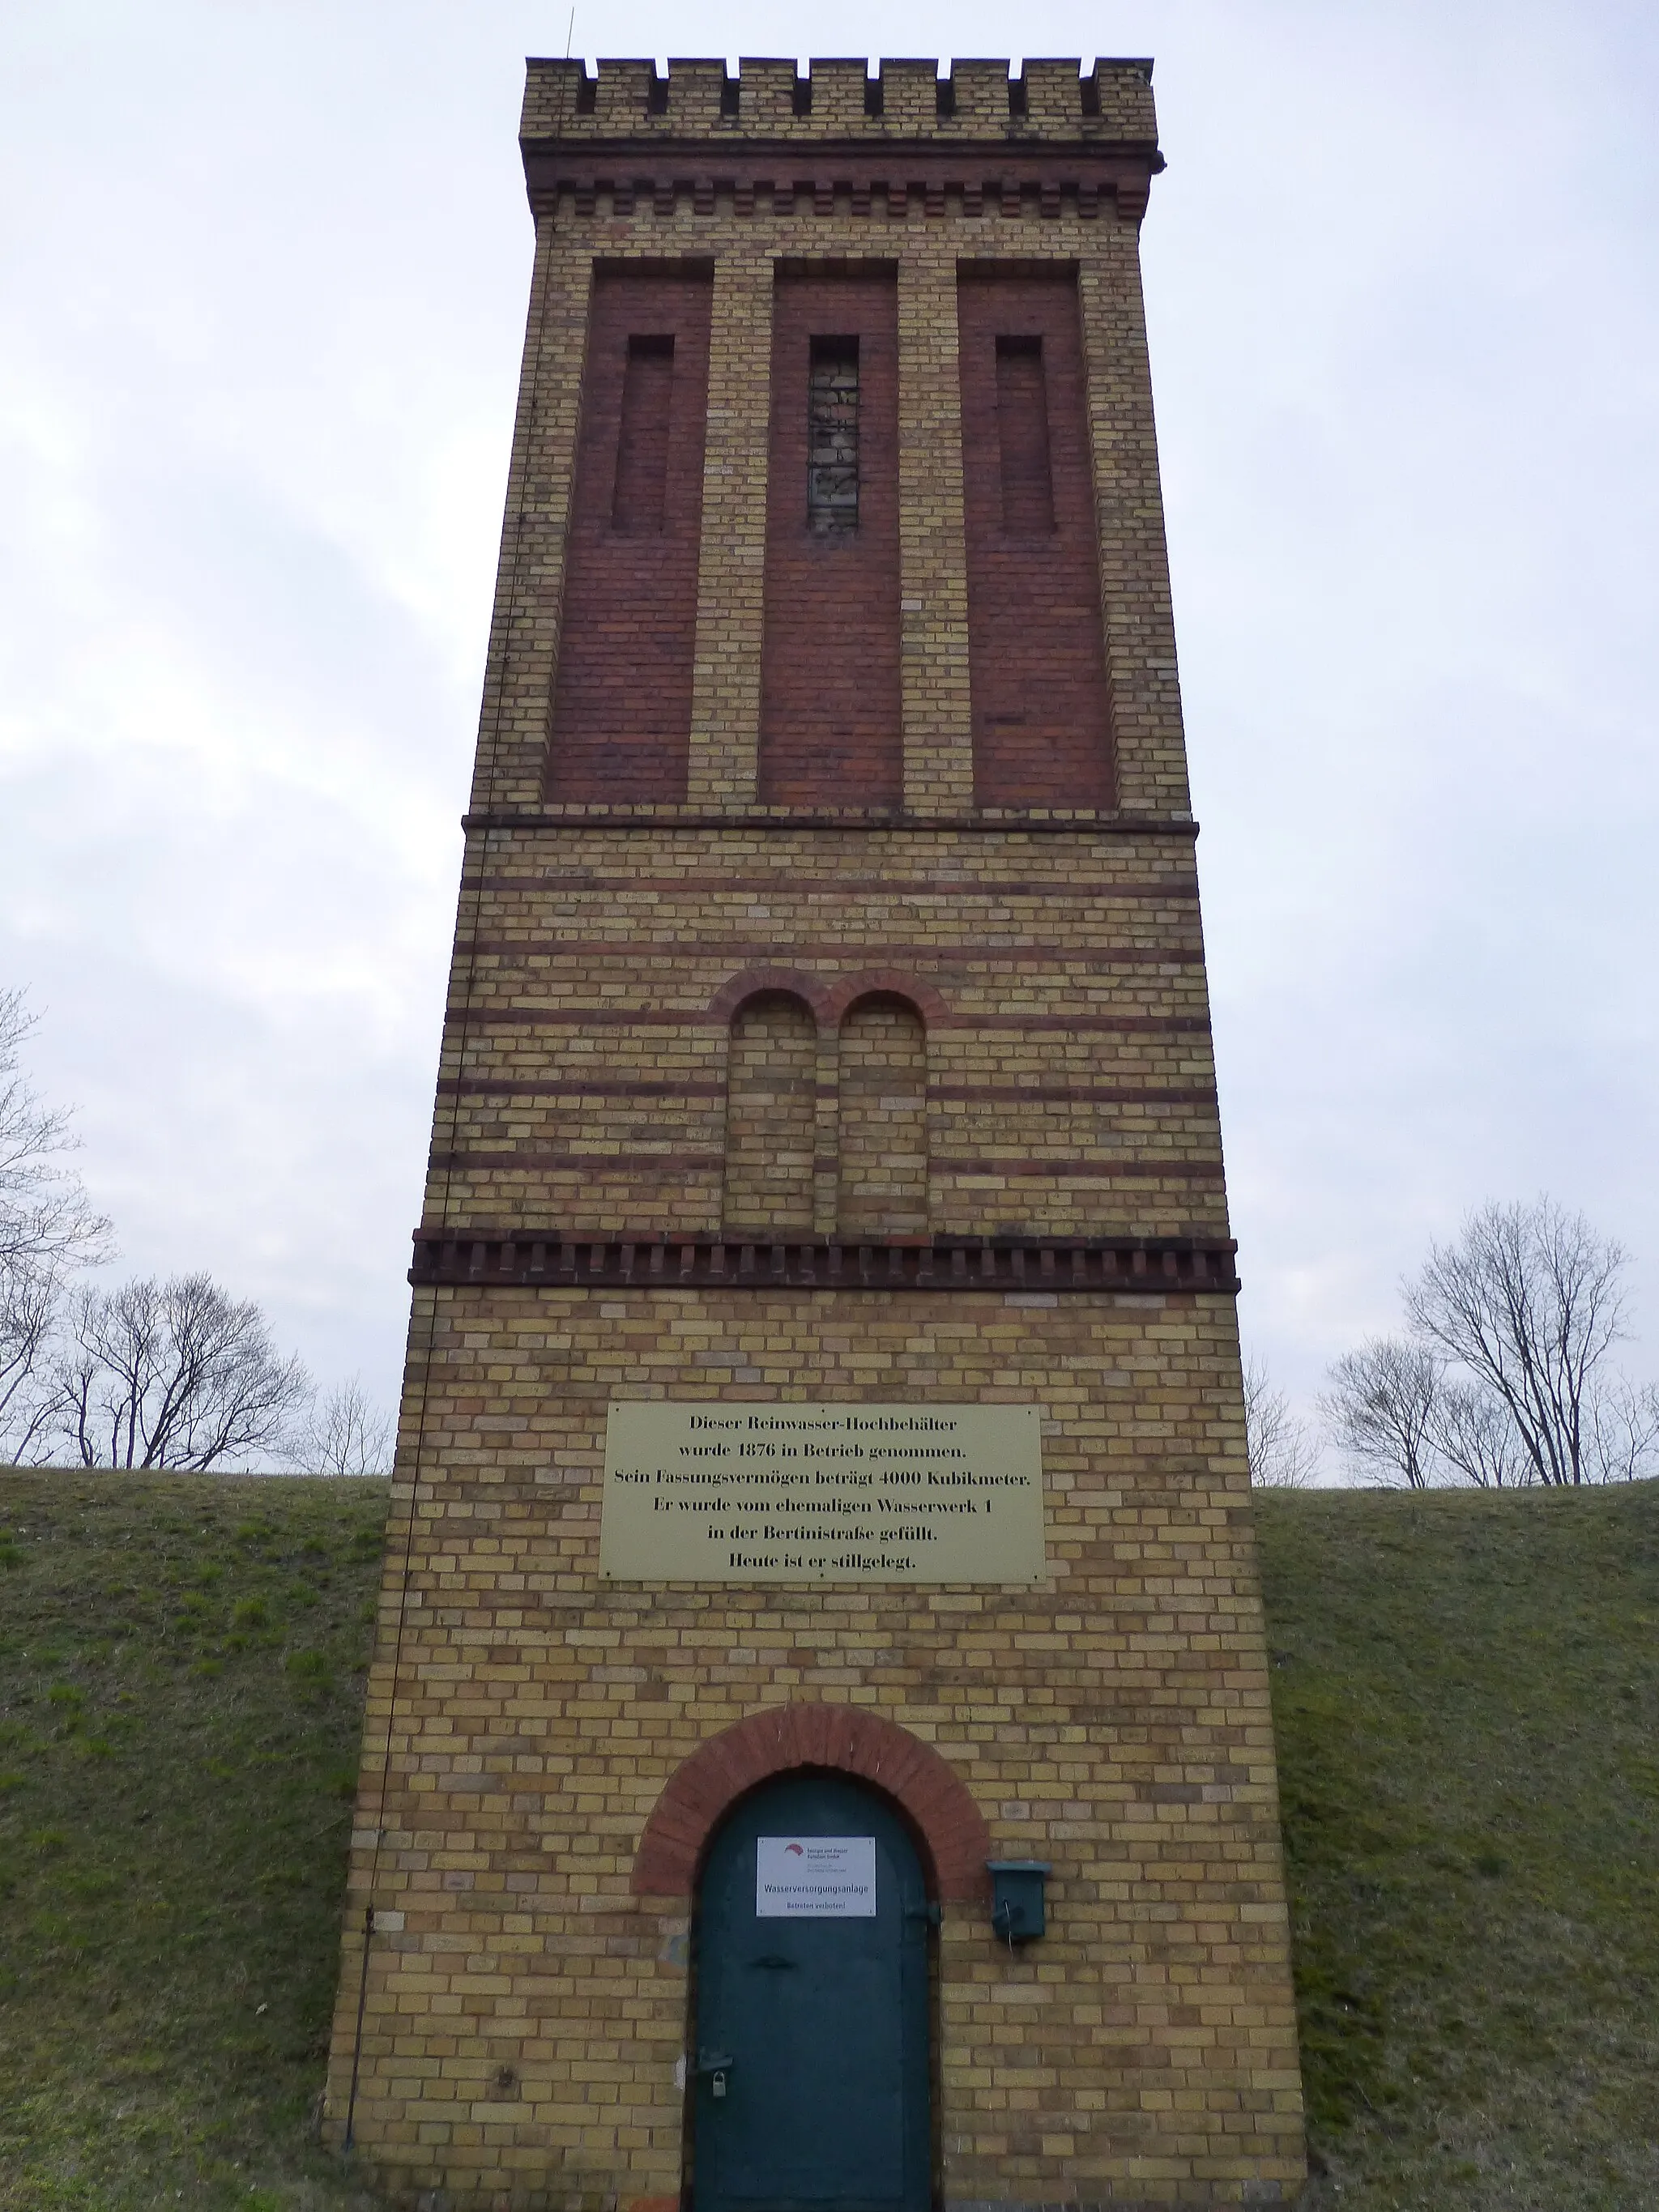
(785, 1739)
(1004, 176)
(529, 1259)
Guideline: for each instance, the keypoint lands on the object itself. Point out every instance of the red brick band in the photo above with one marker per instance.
(547, 945)
(555, 1086)
(483, 1015)
(638, 1167)
(1113, 1169)
(1000, 822)
(846, 890)
(782, 1740)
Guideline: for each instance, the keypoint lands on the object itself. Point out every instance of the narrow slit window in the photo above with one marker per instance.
(1028, 486)
(832, 437)
(642, 436)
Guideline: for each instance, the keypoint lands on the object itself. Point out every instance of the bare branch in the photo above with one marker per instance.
(1379, 1405)
(1283, 1456)
(28, 1305)
(1476, 1434)
(1624, 1432)
(1530, 1300)
(46, 1220)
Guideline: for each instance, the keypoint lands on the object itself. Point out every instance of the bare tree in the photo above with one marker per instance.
(174, 1375)
(1625, 1431)
(1379, 1405)
(346, 1434)
(1529, 1301)
(1282, 1454)
(46, 1220)
(1476, 1436)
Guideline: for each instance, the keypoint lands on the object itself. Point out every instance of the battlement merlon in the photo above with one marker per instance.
(1050, 104)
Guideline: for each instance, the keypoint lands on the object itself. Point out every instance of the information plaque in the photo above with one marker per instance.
(815, 1877)
(701, 1492)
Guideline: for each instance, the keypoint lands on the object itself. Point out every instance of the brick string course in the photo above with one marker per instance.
(953, 992)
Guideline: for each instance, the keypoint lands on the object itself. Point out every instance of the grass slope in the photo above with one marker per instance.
(1467, 1694)
(180, 1693)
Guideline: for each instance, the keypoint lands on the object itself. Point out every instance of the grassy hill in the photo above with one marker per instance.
(1467, 1691)
(180, 1690)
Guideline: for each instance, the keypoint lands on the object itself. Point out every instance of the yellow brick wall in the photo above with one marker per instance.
(1063, 962)
(1115, 1722)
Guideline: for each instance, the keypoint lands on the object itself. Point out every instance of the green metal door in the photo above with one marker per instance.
(811, 2048)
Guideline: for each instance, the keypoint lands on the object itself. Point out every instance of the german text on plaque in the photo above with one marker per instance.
(811, 1493)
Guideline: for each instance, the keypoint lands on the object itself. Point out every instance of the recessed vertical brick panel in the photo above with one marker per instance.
(884, 1120)
(1036, 648)
(830, 713)
(771, 1109)
(622, 699)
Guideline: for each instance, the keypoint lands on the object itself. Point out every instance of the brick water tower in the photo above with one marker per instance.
(819, 1753)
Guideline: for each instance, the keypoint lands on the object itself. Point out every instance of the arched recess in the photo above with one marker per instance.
(882, 1119)
(771, 1104)
(841, 1738)
(808, 988)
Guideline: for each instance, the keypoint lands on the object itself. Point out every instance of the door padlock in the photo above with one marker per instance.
(712, 2067)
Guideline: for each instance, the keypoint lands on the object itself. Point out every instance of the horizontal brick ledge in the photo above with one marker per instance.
(850, 890)
(543, 943)
(530, 1260)
(857, 823)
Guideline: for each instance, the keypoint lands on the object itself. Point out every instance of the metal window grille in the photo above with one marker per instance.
(832, 436)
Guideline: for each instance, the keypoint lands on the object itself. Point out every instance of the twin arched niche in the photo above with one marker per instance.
(882, 1120)
(771, 1116)
(843, 1739)
(825, 1115)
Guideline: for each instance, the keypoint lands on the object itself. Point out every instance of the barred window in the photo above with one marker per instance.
(832, 436)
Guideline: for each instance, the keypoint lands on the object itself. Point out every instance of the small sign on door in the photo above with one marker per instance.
(815, 1877)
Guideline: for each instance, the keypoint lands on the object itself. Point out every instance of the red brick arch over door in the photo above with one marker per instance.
(786, 1738)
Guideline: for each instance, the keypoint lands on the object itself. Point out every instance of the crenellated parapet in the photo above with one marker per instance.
(836, 138)
(1048, 103)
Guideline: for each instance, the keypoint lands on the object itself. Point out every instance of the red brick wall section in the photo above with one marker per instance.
(786, 1738)
(830, 714)
(1035, 647)
(622, 696)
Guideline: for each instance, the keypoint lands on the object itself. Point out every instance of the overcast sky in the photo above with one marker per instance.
(263, 273)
